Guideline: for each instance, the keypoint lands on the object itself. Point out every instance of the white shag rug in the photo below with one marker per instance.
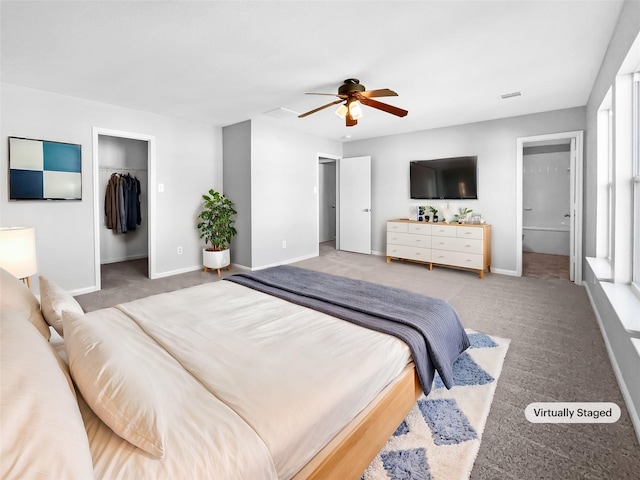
(440, 437)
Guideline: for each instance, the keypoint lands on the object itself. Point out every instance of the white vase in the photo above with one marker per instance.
(216, 260)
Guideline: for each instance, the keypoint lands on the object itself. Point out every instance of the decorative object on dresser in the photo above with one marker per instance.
(463, 215)
(434, 210)
(422, 217)
(216, 227)
(459, 246)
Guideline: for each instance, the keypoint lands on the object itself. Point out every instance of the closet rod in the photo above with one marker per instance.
(122, 168)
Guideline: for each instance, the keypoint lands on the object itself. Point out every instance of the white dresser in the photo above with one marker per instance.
(463, 246)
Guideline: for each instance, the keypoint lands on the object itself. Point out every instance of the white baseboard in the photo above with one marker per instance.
(177, 272)
(123, 259)
(501, 271)
(285, 262)
(82, 291)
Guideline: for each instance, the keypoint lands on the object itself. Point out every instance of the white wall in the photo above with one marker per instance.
(188, 163)
(494, 142)
(284, 185)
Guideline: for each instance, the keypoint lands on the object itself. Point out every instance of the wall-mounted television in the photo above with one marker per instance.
(44, 170)
(444, 178)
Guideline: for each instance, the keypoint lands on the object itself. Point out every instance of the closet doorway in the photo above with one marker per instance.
(131, 157)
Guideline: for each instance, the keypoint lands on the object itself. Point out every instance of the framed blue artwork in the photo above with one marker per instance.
(44, 170)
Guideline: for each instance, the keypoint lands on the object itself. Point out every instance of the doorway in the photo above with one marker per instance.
(111, 149)
(327, 198)
(549, 212)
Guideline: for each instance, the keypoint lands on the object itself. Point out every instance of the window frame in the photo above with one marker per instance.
(636, 181)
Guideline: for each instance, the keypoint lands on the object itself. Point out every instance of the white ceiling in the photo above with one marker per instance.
(225, 62)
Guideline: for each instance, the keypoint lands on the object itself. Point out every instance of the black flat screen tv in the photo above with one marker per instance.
(444, 178)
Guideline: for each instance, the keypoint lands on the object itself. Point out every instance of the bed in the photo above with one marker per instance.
(258, 377)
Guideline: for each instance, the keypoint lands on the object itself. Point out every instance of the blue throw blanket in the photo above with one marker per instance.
(429, 326)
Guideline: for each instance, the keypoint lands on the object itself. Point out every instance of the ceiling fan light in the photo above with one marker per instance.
(354, 110)
(342, 111)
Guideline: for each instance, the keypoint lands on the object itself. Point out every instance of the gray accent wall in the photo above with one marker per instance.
(236, 140)
(188, 163)
(494, 142)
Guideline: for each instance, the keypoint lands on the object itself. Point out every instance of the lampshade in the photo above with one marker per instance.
(354, 110)
(342, 111)
(18, 251)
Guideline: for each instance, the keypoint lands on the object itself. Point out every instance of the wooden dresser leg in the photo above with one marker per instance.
(388, 259)
(481, 273)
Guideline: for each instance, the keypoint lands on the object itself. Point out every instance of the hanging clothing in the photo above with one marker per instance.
(122, 203)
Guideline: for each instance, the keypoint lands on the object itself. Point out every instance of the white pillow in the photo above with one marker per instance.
(53, 300)
(15, 295)
(43, 434)
(103, 366)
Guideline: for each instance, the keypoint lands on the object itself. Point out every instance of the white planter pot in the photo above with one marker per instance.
(216, 260)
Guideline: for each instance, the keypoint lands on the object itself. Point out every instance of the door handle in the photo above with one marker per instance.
(367, 209)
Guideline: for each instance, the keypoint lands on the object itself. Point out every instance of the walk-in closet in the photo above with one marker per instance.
(123, 181)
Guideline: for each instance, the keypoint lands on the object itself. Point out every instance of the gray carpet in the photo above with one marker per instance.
(556, 354)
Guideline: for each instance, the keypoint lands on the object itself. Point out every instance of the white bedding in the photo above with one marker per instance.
(250, 386)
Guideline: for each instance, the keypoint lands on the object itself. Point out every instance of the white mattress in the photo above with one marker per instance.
(261, 382)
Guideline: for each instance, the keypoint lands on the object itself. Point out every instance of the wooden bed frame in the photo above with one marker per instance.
(352, 450)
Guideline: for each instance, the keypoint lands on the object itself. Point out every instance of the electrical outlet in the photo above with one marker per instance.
(179, 250)
(284, 244)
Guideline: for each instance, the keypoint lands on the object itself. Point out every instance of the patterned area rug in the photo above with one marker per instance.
(440, 437)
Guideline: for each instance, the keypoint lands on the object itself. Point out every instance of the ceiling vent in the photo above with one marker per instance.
(504, 96)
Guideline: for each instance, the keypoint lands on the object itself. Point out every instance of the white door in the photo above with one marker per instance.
(355, 204)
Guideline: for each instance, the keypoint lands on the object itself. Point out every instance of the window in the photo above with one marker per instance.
(605, 180)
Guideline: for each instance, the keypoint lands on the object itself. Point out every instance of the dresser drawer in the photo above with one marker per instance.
(397, 227)
(470, 232)
(458, 259)
(409, 239)
(411, 253)
(467, 245)
(443, 230)
(420, 228)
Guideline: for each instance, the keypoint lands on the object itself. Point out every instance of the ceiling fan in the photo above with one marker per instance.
(351, 95)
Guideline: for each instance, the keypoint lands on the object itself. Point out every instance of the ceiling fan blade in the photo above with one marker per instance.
(381, 106)
(383, 92)
(329, 94)
(320, 108)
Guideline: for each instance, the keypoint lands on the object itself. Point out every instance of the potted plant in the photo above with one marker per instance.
(216, 227)
(434, 210)
(462, 216)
